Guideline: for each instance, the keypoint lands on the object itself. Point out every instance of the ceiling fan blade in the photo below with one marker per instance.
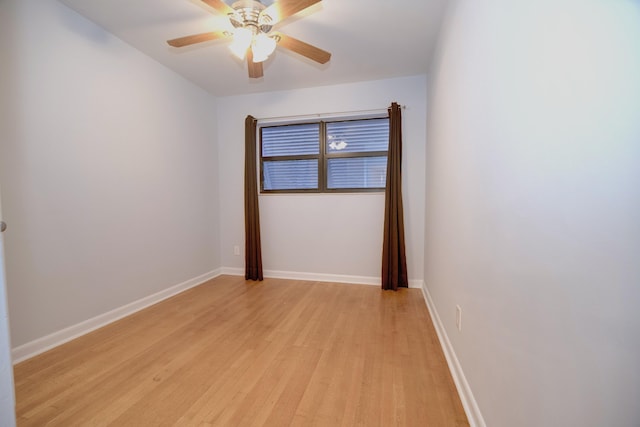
(255, 68)
(196, 38)
(282, 9)
(219, 5)
(302, 48)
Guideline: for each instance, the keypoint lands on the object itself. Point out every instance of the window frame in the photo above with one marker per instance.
(322, 157)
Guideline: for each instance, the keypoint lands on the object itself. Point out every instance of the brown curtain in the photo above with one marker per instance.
(253, 251)
(394, 260)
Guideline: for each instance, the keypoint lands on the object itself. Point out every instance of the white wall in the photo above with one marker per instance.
(323, 234)
(108, 171)
(533, 207)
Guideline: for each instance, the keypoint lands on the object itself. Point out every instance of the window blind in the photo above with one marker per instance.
(347, 155)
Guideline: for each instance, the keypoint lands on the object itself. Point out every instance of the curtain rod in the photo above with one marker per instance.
(332, 114)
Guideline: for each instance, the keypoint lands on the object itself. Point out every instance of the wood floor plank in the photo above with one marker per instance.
(232, 352)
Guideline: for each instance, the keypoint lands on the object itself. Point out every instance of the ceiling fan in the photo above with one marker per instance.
(253, 36)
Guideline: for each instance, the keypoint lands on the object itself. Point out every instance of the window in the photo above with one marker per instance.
(331, 156)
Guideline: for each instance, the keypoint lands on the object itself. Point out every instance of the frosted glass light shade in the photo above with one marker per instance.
(241, 41)
(262, 47)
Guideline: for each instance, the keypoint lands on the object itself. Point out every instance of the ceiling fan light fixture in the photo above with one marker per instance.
(242, 38)
(252, 23)
(262, 47)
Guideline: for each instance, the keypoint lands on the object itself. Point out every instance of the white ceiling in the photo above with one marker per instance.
(368, 39)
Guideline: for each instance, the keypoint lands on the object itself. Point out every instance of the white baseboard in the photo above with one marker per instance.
(469, 403)
(232, 271)
(318, 277)
(55, 339)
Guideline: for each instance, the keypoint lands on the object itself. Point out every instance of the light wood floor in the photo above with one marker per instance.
(236, 353)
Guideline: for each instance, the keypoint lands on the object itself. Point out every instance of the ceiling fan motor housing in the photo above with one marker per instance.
(248, 14)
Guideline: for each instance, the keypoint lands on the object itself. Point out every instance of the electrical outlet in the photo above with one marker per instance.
(459, 318)
(236, 250)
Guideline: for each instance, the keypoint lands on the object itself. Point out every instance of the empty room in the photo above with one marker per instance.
(319, 213)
